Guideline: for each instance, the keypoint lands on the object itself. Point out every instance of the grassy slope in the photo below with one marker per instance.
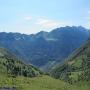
(11, 65)
(77, 66)
(40, 83)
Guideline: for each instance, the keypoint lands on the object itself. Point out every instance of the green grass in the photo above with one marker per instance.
(74, 75)
(40, 83)
(78, 63)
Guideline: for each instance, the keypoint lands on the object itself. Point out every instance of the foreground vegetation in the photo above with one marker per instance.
(13, 66)
(40, 83)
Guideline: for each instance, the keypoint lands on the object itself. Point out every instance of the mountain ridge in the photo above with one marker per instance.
(45, 48)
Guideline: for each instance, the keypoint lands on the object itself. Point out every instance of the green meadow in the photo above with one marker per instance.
(40, 83)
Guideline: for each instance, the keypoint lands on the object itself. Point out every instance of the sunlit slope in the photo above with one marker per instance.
(12, 66)
(41, 83)
(77, 66)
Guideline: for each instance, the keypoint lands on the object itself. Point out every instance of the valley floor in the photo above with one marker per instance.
(41, 83)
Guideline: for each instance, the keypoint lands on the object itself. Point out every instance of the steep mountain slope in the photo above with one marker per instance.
(45, 48)
(77, 66)
(12, 66)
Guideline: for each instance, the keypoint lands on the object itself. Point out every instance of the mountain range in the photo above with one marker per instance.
(45, 49)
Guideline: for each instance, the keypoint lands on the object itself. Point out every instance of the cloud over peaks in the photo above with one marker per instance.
(47, 23)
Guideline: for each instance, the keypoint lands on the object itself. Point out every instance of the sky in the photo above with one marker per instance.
(32, 16)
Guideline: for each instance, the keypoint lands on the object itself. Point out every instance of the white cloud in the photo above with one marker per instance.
(46, 23)
(87, 25)
(28, 18)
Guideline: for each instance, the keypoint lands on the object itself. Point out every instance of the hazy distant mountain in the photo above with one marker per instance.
(45, 48)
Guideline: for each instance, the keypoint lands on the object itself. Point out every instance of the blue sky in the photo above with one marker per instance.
(32, 16)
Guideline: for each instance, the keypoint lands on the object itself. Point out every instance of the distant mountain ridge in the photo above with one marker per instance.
(45, 48)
